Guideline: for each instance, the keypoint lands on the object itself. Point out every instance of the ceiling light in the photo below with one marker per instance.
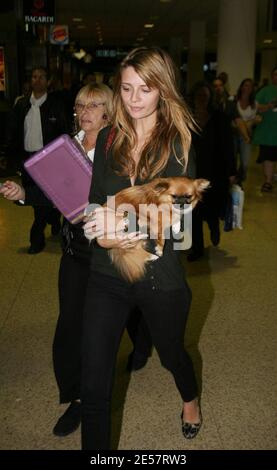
(267, 41)
(139, 39)
(149, 25)
(81, 26)
(165, 1)
(77, 20)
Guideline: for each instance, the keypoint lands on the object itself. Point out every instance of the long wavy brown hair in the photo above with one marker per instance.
(174, 122)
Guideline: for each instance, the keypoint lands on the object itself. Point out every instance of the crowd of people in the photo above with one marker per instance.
(140, 130)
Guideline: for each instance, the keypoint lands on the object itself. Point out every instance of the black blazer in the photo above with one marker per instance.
(167, 272)
(54, 122)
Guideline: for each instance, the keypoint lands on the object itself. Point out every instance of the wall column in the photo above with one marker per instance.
(237, 40)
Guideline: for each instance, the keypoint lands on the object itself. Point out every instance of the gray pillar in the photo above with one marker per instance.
(196, 52)
(237, 40)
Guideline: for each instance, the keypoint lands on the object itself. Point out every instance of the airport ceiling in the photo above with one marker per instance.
(119, 23)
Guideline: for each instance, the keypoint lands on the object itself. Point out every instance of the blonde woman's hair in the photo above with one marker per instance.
(174, 121)
(98, 92)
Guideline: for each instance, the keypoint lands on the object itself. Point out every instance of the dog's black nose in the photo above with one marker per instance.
(186, 199)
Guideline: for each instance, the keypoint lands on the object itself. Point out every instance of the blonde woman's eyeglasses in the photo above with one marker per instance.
(79, 107)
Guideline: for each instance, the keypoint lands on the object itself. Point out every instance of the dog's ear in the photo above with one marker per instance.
(201, 184)
(161, 186)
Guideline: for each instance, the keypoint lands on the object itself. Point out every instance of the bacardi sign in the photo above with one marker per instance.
(39, 11)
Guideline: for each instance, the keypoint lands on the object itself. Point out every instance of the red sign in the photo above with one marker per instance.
(59, 34)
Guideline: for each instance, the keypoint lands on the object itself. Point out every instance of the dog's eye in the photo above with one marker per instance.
(184, 199)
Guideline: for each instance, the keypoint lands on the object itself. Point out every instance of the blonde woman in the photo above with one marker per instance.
(93, 111)
(151, 138)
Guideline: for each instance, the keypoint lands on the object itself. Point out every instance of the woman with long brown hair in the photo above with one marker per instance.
(151, 129)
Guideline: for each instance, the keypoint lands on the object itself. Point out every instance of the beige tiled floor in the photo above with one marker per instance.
(231, 335)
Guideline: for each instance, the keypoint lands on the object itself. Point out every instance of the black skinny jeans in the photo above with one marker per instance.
(108, 304)
(73, 279)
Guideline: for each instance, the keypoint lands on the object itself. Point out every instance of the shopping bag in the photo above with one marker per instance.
(237, 195)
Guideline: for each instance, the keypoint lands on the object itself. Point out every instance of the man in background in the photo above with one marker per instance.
(35, 121)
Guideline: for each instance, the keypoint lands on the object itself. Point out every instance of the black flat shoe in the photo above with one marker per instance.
(69, 421)
(190, 430)
(34, 249)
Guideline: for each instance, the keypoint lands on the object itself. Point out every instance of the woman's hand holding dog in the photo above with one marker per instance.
(103, 222)
(108, 227)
